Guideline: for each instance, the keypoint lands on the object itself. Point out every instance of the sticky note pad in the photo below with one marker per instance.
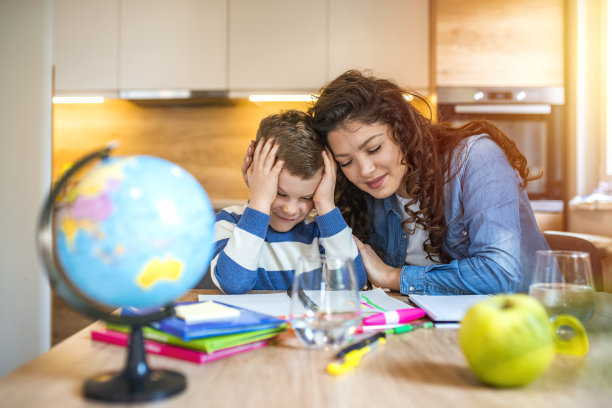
(204, 311)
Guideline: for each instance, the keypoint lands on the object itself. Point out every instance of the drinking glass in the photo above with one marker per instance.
(325, 306)
(563, 284)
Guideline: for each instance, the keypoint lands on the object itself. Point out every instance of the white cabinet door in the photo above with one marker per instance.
(389, 37)
(173, 44)
(85, 45)
(277, 45)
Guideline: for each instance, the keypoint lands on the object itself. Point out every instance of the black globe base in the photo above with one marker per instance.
(137, 382)
(159, 384)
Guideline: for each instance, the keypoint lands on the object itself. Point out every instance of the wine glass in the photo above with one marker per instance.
(563, 284)
(325, 305)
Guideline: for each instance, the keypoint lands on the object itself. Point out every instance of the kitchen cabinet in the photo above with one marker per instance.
(390, 37)
(85, 45)
(492, 43)
(277, 45)
(177, 44)
(240, 46)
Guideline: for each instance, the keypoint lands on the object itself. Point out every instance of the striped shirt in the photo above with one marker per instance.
(250, 255)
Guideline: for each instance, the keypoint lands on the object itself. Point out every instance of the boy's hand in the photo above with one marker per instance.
(246, 162)
(324, 195)
(379, 273)
(262, 176)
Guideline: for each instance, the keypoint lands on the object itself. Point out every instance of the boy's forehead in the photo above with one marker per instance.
(295, 185)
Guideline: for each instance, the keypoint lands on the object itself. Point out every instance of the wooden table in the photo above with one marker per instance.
(424, 368)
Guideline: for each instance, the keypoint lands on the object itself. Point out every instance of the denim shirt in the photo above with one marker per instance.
(491, 237)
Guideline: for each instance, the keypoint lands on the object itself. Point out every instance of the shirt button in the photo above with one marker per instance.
(411, 288)
(403, 236)
(464, 232)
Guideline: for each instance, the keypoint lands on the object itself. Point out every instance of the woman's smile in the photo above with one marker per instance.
(377, 182)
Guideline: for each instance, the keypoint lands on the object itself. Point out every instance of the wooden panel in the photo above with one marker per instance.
(510, 43)
(389, 37)
(208, 140)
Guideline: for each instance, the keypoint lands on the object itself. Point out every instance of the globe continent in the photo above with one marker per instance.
(135, 231)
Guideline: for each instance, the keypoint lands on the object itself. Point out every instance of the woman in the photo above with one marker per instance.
(443, 210)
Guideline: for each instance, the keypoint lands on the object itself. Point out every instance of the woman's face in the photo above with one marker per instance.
(369, 158)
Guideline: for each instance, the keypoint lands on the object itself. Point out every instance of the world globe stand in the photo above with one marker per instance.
(136, 382)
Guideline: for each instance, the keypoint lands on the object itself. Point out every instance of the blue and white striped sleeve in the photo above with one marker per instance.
(337, 239)
(239, 241)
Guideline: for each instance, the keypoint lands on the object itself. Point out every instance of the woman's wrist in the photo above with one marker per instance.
(392, 278)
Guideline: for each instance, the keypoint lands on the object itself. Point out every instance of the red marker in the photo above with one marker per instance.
(394, 317)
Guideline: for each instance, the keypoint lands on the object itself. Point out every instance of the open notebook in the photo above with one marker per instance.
(446, 308)
(278, 304)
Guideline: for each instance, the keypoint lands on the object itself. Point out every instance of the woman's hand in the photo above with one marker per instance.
(379, 273)
(246, 162)
(324, 194)
(262, 176)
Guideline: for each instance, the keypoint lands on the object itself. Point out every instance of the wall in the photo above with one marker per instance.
(208, 137)
(25, 157)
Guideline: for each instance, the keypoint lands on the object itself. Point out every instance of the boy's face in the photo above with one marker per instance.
(293, 201)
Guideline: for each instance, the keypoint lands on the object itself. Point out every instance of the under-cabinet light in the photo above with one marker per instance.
(78, 99)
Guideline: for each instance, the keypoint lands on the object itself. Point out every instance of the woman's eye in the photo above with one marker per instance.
(345, 163)
(372, 151)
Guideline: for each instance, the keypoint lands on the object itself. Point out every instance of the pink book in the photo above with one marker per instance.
(153, 347)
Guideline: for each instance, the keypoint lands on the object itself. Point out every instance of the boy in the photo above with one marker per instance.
(257, 245)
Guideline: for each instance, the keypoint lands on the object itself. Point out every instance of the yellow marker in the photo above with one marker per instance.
(351, 359)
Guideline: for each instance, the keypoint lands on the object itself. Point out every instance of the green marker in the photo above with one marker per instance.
(408, 328)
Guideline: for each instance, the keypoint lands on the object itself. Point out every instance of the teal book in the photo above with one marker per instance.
(205, 344)
(246, 321)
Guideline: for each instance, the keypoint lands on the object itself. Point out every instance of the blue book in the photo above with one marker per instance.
(247, 320)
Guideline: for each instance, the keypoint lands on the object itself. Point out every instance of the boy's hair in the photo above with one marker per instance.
(299, 145)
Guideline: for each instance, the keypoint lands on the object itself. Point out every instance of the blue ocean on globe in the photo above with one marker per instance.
(135, 231)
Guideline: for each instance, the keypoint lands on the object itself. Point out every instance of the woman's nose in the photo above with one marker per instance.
(366, 167)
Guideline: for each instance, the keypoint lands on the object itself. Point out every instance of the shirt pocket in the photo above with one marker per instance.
(458, 237)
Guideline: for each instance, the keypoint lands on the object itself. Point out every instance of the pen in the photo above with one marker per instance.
(360, 344)
(394, 316)
(352, 358)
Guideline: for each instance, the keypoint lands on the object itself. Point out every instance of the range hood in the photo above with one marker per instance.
(167, 94)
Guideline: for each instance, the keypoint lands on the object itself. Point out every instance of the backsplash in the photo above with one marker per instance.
(208, 137)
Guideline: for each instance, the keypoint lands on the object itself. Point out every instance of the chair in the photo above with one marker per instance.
(567, 241)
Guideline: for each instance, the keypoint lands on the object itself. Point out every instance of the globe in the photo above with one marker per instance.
(135, 231)
(126, 231)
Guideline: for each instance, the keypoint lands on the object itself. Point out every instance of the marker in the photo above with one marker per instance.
(351, 359)
(409, 327)
(394, 316)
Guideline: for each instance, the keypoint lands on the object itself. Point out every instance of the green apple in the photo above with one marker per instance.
(507, 340)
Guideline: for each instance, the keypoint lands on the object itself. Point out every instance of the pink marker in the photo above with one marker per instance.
(394, 317)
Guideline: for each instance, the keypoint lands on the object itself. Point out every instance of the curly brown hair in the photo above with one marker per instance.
(427, 147)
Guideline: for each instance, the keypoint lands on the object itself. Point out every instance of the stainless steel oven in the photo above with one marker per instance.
(532, 117)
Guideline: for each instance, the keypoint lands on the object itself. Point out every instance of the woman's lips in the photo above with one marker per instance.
(377, 182)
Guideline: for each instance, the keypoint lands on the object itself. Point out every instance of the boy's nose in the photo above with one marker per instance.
(290, 208)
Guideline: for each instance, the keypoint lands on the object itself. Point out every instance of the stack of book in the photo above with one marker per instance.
(200, 332)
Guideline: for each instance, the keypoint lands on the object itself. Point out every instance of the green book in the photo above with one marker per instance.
(206, 344)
